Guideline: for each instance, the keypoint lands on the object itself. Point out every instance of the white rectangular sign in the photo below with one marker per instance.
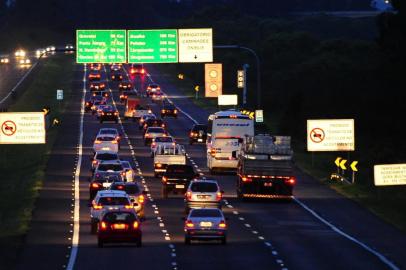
(390, 174)
(59, 94)
(195, 45)
(330, 135)
(227, 100)
(259, 116)
(22, 128)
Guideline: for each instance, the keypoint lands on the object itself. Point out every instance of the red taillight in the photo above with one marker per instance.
(219, 195)
(114, 142)
(246, 179)
(149, 111)
(213, 152)
(222, 224)
(128, 206)
(136, 225)
(142, 71)
(175, 111)
(188, 195)
(115, 113)
(164, 179)
(103, 225)
(94, 162)
(97, 142)
(141, 199)
(97, 207)
(120, 187)
(189, 224)
(158, 165)
(94, 185)
(153, 144)
(291, 181)
(87, 103)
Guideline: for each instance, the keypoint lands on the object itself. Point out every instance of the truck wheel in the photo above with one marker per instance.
(164, 193)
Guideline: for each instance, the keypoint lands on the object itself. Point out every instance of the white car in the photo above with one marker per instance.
(161, 140)
(205, 224)
(103, 156)
(107, 199)
(105, 143)
(110, 131)
(203, 194)
(153, 132)
(129, 171)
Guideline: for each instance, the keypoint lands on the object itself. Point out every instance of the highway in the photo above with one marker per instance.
(319, 229)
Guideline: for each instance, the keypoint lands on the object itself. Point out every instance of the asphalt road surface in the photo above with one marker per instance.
(318, 230)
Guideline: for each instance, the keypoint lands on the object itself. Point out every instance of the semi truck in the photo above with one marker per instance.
(265, 168)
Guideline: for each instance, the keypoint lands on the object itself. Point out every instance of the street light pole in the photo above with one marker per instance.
(258, 67)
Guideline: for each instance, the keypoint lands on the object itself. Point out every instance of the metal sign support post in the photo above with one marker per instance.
(244, 93)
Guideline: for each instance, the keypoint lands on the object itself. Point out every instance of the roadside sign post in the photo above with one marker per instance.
(354, 169)
(59, 97)
(22, 128)
(197, 88)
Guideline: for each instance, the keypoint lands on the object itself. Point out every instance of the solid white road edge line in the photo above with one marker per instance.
(76, 215)
(349, 237)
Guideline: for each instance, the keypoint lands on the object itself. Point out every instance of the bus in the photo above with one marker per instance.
(227, 131)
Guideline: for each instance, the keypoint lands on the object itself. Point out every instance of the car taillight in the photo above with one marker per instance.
(121, 96)
(213, 152)
(136, 225)
(141, 199)
(103, 113)
(103, 225)
(189, 224)
(175, 111)
(142, 71)
(147, 135)
(128, 206)
(163, 125)
(114, 142)
(222, 224)
(149, 88)
(246, 179)
(158, 165)
(158, 88)
(97, 142)
(97, 207)
(164, 179)
(149, 111)
(94, 185)
(189, 195)
(291, 181)
(219, 195)
(94, 162)
(162, 111)
(87, 103)
(115, 113)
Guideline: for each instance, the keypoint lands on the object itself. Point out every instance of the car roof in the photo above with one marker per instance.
(111, 162)
(108, 129)
(127, 184)
(106, 152)
(205, 181)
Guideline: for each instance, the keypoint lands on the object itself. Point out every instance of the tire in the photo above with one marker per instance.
(224, 241)
(100, 243)
(164, 192)
(187, 240)
(93, 227)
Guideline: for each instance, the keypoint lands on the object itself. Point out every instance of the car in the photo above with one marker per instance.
(94, 75)
(110, 131)
(101, 182)
(96, 103)
(152, 88)
(95, 66)
(20, 53)
(24, 61)
(103, 156)
(109, 168)
(158, 96)
(107, 199)
(119, 225)
(161, 140)
(104, 94)
(125, 86)
(99, 110)
(129, 171)
(136, 194)
(69, 47)
(4, 60)
(116, 67)
(205, 224)
(153, 132)
(169, 109)
(90, 102)
(176, 178)
(116, 76)
(109, 113)
(198, 133)
(137, 69)
(144, 118)
(125, 94)
(203, 194)
(105, 143)
(153, 123)
(97, 86)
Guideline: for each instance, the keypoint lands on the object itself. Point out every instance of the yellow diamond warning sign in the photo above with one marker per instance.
(22, 128)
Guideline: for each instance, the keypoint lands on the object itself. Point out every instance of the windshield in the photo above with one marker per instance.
(119, 217)
(114, 201)
(206, 213)
(110, 167)
(204, 187)
(107, 156)
(105, 139)
(156, 130)
(108, 131)
(163, 139)
(183, 169)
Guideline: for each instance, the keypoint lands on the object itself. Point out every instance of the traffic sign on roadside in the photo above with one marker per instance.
(390, 174)
(240, 78)
(195, 45)
(213, 79)
(342, 164)
(354, 166)
(153, 46)
(101, 46)
(337, 161)
(259, 116)
(22, 128)
(59, 94)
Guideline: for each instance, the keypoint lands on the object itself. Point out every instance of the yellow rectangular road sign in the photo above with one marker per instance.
(22, 128)
(330, 135)
(195, 45)
(390, 174)
(213, 80)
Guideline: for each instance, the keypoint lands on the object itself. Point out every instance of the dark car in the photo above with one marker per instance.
(136, 194)
(94, 75)
(152, 89)
(119, 225)
(97, 86)
(153, 123)
(116, 76)
(169, 110)
(125, 94)
(198, 133)
(176, 178)
(109, 113)
(137, 69)
(125, 86)
(89, 103)
(101, 182)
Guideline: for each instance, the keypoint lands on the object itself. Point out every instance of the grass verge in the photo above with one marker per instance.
(23, 166)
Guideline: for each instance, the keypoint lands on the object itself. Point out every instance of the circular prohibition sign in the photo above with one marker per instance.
(8, 128)
(317, 135)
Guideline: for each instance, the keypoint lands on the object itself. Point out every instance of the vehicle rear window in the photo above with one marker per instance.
(203, 187)
(205, 213)
(106, 139)
(156, 130)
(153, 85)
(107, 156)
(119, 216)
(114, 201)
(163, 139)
(110, 167)
(180, 169)
(108, 131)
(129, 189)
(109, 179)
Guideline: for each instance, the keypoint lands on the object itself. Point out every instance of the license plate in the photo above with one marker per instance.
(105, 148)
(109, 114)
(267, 184)
(202, 196)
(180, 186)
(106, 185)
(200, 140)
(205, 224)
(119, 226)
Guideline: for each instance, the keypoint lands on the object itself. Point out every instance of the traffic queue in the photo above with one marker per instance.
(116, 198)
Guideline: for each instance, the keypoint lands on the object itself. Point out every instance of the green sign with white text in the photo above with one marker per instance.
(101, 46)
(153, 46)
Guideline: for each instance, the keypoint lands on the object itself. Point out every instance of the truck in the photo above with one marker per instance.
(168, 154)
(265, 168)
(135, 108)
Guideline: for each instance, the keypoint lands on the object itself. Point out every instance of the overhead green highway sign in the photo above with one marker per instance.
(153, 46)
(101, 46)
